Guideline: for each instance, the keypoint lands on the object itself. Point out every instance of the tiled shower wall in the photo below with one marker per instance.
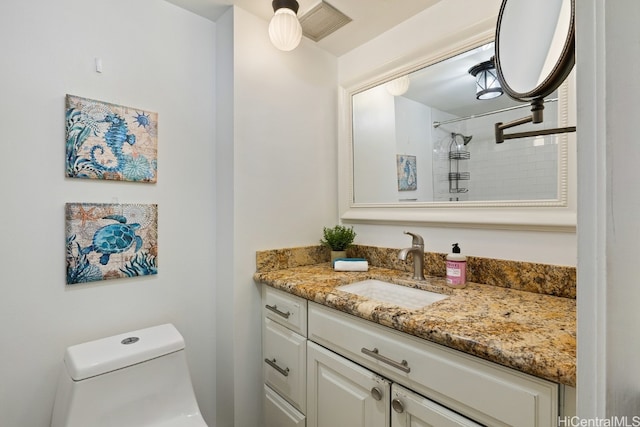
(518, 169)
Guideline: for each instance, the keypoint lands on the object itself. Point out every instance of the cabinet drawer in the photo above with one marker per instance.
(284, 363)
(486, 392)
(285, 309)
(279, 413)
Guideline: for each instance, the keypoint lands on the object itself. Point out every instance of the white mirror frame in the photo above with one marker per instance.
(541, 215)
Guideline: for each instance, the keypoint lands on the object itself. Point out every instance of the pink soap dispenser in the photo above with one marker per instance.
(456, 268)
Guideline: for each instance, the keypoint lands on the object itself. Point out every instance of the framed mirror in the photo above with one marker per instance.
(420, 148)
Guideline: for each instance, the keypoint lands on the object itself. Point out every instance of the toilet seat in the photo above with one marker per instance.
(136, 379)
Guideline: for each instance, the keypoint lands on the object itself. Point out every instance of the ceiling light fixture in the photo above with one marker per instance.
(487, 83)
(285, 31)
(399, 86)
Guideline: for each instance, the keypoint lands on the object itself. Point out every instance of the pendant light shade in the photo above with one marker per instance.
(285, 31)
(487, 83)
(398, 86)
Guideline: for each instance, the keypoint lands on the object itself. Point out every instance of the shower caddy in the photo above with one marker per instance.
(457, 153)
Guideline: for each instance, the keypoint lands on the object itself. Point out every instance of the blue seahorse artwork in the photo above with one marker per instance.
(110, 241)
(109, 141)
(407, 173)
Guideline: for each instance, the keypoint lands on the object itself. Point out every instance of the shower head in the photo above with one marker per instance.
(465, 139)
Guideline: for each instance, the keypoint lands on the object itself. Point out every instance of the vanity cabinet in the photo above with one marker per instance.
(284, 351)
(481, 391)
(343, 393)
(325, 368)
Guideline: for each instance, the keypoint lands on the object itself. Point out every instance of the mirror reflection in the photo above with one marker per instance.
(533, 63)
(426, 137)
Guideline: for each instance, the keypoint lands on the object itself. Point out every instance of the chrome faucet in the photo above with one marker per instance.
(417, 249)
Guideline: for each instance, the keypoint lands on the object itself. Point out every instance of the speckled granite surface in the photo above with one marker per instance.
(528, 331)
(556, 280)
(547, 279)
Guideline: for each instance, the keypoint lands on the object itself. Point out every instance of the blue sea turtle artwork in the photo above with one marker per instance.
(97, 232)
(114, 238)
(109, 141)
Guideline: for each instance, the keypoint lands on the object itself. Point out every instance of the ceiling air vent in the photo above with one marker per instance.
(322, 20)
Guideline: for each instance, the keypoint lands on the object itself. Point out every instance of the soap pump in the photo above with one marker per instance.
(456, 268)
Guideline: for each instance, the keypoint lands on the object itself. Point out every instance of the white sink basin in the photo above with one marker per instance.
(392, 294)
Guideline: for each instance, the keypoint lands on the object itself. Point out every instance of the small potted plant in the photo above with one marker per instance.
(338, 239)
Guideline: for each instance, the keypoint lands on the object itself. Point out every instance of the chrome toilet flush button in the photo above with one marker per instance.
(130, 340)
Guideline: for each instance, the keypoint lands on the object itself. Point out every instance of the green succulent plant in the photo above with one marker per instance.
(338, 238)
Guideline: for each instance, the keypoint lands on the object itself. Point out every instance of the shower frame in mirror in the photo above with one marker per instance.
(557, 214)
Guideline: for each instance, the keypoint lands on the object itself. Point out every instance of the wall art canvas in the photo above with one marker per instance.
(407, 174)
(110, 241)
(108, 141)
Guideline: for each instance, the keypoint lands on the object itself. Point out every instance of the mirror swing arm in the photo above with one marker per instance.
(537, 107)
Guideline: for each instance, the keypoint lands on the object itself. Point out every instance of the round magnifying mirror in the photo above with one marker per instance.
(535, 46)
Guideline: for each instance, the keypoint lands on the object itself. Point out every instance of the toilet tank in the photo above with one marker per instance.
(139, 378)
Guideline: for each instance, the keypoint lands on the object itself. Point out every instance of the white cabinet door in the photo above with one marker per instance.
(412, 410)
(341, 393)
(278, 412)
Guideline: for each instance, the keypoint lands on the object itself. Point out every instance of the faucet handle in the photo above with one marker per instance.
(417, 239)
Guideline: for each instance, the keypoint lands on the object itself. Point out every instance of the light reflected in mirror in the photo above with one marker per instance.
(435, 142)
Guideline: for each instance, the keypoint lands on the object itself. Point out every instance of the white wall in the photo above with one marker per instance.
(438, 26)
(608, 315)
(376, 128)
(156, 57)
(281, 163)
(224, 242)
(623, 227)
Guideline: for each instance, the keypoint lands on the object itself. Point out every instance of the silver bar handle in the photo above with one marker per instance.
(403, 366)
(274, 365)
(274, 308)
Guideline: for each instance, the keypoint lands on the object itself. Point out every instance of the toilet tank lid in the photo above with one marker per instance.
(104, 355)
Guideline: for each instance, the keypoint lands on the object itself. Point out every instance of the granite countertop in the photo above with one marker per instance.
(530, 332)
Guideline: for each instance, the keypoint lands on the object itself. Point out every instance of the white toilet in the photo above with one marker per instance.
(137, 379)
